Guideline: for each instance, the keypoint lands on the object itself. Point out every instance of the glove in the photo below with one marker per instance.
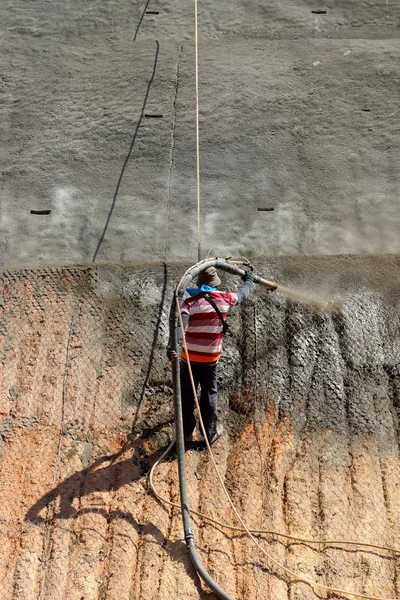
(171, 354)
(249, 276)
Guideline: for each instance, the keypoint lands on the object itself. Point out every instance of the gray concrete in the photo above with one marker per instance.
(299, 113)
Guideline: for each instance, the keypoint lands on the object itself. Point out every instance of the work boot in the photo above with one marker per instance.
(219, 430)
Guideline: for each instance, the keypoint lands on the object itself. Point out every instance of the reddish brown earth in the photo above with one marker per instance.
(310, 403)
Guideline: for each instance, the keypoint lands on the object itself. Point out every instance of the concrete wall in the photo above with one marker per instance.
(298, 112)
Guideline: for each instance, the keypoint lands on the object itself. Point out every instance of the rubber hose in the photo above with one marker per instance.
(180, 442)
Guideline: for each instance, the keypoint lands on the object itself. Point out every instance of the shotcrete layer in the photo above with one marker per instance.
(298, 114)
(310, 403)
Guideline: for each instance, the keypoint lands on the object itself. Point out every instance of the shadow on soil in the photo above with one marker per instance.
(112, 477)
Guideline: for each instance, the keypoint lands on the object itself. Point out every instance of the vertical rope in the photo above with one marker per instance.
(196, 43)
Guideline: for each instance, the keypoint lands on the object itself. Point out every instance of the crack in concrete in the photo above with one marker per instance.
(172, 149)
(129, 152)
(140, 20)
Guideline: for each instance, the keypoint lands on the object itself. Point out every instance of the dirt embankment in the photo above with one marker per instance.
(310, 404)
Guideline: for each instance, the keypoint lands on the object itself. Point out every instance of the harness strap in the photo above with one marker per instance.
(225, 325)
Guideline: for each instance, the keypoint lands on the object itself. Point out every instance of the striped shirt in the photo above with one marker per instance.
(204, 331)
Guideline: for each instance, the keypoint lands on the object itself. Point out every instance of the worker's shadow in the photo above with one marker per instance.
(115, 475)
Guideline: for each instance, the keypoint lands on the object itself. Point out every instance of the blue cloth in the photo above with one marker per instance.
(204, 289)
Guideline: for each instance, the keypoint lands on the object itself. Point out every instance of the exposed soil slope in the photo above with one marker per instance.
(310, 404)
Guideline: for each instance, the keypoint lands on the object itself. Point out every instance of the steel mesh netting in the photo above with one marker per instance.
(310, 407)
(82, 352)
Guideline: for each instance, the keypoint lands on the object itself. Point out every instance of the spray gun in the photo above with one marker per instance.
(271, 285)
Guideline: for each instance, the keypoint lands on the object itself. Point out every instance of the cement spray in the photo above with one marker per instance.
(324, 305)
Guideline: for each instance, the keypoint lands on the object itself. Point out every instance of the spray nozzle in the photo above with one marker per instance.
(249, 266)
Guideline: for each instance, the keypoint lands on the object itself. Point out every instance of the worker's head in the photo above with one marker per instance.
(209, 277)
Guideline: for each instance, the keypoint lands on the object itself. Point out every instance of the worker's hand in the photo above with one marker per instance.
(171, 354)
(249, 276)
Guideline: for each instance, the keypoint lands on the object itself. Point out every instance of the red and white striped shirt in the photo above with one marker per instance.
(204, 331)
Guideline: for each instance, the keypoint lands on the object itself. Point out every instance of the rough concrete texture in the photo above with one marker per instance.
(298, 112)
(311, 409)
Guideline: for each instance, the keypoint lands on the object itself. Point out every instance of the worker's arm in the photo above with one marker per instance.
(185, 320)
(246, 290)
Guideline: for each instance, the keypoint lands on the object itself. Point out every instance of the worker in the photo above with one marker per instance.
(203, 316)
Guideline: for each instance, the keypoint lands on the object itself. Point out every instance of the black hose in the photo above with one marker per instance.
(180, 442)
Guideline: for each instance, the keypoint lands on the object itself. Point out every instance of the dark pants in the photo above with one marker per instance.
(207, 378)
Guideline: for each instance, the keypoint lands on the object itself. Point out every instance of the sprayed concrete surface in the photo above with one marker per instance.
(298, 113)
(311, 409)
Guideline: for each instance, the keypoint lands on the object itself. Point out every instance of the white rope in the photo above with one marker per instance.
(196, 43)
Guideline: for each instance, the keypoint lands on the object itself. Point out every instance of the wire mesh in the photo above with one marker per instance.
(310, 406)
